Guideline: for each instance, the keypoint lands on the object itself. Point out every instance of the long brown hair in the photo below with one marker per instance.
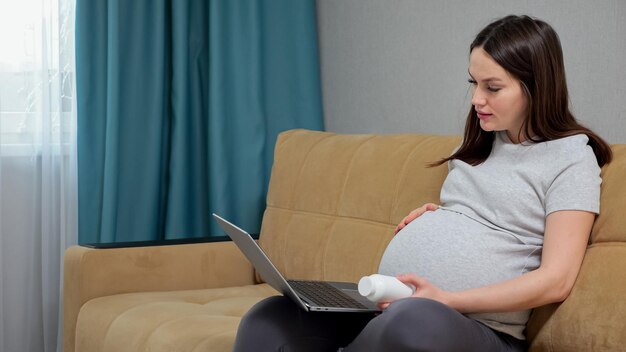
(530, 50)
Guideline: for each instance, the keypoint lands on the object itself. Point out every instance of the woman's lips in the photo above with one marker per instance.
(482, 115)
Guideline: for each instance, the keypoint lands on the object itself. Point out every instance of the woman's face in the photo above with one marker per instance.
(498, 99)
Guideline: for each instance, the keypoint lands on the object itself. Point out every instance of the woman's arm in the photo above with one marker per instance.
(565, 241)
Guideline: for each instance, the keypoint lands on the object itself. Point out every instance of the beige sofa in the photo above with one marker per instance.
(332, 205)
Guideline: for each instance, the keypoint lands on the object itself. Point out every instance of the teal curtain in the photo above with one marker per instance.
(179, 105)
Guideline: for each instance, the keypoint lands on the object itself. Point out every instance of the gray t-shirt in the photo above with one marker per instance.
(492, 218)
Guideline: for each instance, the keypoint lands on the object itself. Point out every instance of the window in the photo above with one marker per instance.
(36, 75)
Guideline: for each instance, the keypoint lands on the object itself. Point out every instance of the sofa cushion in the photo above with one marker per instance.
(334, 200)
(592, 317)
(610, 225)
(194, 320)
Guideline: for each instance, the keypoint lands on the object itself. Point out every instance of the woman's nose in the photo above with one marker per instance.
(478, 99)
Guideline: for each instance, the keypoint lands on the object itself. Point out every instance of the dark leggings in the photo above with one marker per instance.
(412, 324)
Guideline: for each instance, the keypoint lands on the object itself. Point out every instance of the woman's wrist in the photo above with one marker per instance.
(458, 301)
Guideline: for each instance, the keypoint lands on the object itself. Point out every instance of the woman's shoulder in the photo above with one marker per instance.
(572, 149)
(570, 144)
(577, 141)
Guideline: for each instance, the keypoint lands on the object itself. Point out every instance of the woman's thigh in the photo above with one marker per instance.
(277, 324)
(417, 324)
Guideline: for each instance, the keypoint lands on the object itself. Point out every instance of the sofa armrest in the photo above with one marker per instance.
(90, 273)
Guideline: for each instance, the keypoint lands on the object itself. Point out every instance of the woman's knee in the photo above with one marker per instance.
(269, 307)
(277, 324)
(267, 321)
(417, 324)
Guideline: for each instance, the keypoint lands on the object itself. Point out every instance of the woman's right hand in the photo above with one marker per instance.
(415, 214)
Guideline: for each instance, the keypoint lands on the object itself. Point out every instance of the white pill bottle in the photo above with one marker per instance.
(383, 288)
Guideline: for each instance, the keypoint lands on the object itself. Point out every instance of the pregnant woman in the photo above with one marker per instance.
(510, 233)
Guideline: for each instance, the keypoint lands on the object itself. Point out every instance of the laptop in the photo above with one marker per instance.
(318, 296)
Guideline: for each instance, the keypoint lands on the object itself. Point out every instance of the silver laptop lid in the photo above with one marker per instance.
(258, 259)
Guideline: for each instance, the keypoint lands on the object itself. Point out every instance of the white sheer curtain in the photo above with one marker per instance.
(38, 197)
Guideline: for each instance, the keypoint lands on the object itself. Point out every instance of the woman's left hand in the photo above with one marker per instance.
(423, 289)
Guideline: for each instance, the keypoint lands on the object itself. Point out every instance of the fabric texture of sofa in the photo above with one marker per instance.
(333, 203)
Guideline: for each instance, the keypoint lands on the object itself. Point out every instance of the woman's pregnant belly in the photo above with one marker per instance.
(456, 252)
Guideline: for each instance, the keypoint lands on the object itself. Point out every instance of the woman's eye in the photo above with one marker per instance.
(491, 89)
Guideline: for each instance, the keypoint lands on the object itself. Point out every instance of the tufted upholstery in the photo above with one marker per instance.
(192, 320)
(332, 204)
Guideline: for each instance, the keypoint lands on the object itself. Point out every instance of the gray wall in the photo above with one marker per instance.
(391, 66)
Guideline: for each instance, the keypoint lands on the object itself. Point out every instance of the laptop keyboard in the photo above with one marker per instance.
(324, 294)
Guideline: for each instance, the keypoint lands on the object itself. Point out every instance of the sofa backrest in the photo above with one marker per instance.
(334, 200)
(610, 225)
